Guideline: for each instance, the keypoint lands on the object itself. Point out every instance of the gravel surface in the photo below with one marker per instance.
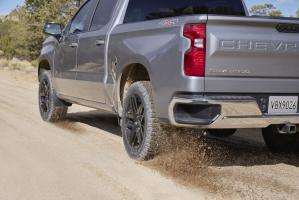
(84, 158)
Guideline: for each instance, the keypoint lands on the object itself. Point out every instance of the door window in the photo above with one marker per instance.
(103, 14)
(80, 22)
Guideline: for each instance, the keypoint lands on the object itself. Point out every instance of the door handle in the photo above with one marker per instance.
(100, 42)
(74, 45)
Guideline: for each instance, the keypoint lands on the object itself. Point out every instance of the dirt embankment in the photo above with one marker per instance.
(83, 158)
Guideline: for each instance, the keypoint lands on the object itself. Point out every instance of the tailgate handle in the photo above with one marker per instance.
(288, 28)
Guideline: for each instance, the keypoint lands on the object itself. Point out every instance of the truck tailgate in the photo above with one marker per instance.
(252, 55)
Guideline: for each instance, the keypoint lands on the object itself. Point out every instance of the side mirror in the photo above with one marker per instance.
(53, 29)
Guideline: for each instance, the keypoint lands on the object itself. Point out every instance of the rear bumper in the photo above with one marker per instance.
(221, 112)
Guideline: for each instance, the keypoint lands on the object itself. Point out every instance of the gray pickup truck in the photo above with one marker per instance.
(193, 63)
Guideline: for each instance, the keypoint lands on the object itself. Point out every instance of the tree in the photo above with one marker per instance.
(265, 10)
(21, 32)
(13, 35)
(297, 13)
(38, 12)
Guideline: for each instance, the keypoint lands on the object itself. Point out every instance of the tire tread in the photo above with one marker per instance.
(56, 112)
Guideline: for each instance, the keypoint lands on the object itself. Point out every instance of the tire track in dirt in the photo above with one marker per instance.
(44, 161)
(88, 142)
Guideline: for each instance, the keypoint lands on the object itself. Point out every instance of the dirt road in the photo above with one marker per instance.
(84, 159)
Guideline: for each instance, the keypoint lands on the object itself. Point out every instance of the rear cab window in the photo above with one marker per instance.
(143, 10)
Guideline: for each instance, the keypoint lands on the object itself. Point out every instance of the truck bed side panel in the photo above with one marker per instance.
(159, 46)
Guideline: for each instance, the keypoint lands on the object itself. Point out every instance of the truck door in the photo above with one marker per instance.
(66, 56)
(91, 71)
(65, 64)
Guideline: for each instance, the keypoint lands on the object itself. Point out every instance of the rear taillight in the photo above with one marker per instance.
(195, 57)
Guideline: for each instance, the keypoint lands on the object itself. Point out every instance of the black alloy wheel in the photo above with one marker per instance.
(51, 108)
(140, 127)
(135, 123)
(44, 97)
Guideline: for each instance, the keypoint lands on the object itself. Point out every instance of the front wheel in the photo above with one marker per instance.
(140, 127)
(277, 142)
(51, 108)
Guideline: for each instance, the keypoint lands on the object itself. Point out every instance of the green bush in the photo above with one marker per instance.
(21, 33)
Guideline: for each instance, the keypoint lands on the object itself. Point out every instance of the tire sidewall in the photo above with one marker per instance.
(140, 90)
(46, 75)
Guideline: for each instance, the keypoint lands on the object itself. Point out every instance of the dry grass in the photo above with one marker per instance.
(16, 65)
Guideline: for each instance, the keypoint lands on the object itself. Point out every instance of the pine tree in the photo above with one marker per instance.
(21, 32)
(38, 12)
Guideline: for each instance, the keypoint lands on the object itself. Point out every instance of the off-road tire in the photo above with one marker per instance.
(149, 146)
(55, 109)
(280, 142)
(222, 132)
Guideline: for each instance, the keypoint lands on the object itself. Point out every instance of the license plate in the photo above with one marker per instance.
(283, 105)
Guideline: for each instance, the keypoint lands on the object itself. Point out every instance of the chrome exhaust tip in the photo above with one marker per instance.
(287, 129)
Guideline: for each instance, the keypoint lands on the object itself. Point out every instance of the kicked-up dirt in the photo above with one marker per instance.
(83, 158)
